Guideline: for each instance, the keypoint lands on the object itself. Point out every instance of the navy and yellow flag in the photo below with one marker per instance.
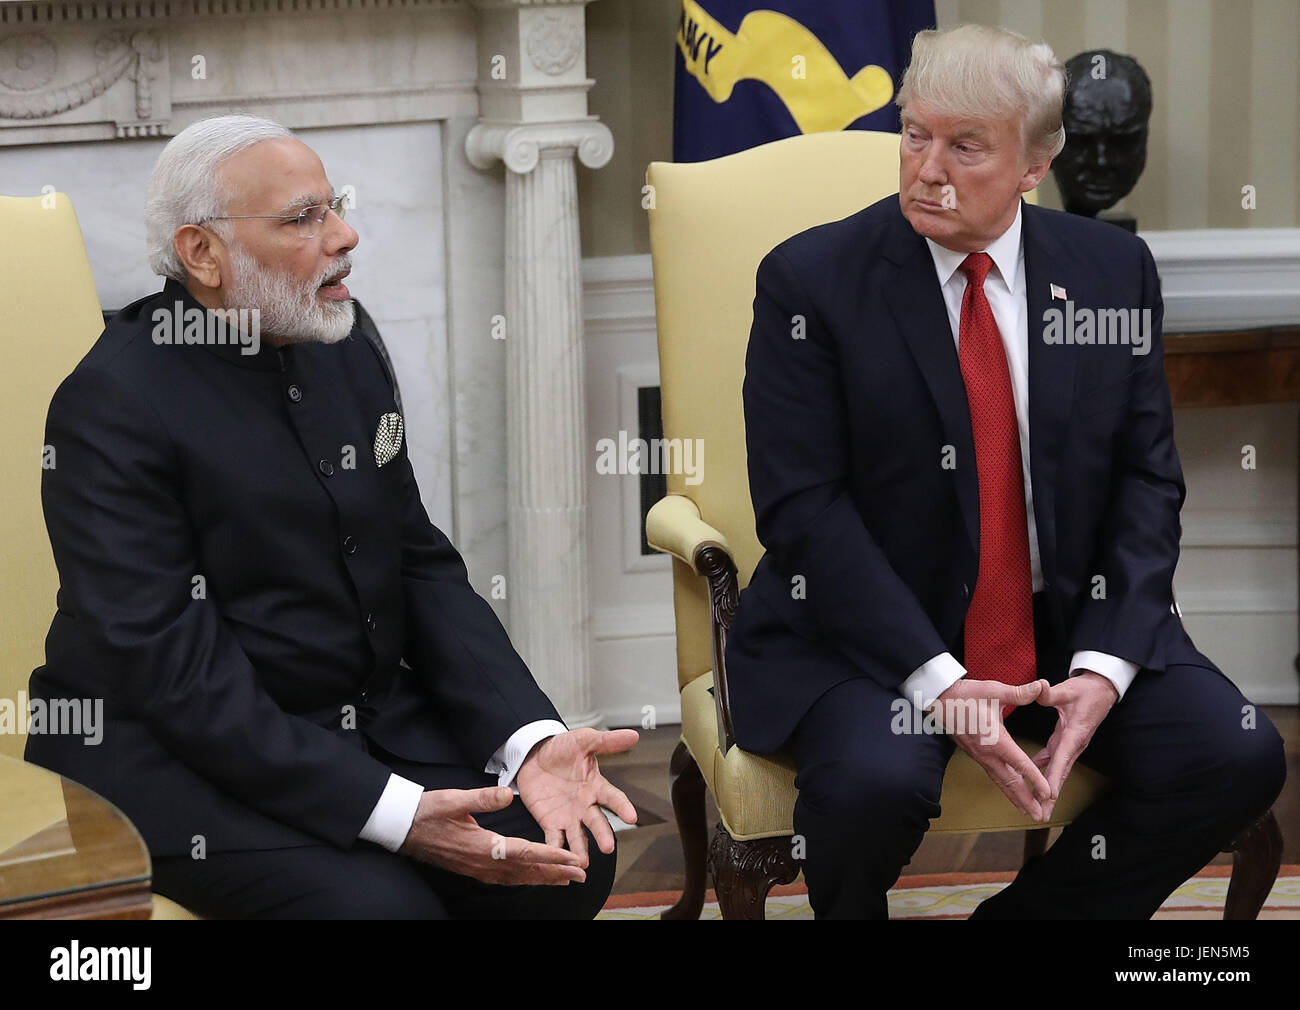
(751, 71)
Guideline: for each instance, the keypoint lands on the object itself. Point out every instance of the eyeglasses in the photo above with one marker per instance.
(309, 218)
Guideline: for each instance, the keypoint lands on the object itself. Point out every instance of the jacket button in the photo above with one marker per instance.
(349, 545)
(965, 591)
(295, 394)
(327, 468)
(370, 621)
(365, 693)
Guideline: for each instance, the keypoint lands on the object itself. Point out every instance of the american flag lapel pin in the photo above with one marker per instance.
(1058, 292)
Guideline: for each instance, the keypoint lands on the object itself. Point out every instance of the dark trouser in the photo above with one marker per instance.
(369, 882)
(1186, 778)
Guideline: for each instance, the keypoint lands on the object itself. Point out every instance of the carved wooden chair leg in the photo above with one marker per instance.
(1256, 856)
(688, 807)
(1036, 842)
(743, 872)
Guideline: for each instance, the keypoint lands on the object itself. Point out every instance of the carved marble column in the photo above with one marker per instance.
(534, 121)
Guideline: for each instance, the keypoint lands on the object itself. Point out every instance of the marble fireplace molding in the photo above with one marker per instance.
(533, 119)
(44, 12)
(30, 61)
(97, 70)
(547, 486)
(519, 145)
(554, 44)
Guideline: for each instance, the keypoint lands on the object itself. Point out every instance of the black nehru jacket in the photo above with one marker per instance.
(252, 595)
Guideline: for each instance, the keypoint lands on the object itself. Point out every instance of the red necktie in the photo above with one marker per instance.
(1000, 621)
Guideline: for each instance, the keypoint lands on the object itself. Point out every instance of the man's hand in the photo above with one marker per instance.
(1081, 703)
(563, 789)
(444, 833)
(992, 748)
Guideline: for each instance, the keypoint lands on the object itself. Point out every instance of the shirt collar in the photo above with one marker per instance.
(1003, 250)
(266, 359)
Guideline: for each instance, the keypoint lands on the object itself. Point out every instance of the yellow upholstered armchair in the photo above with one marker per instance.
(711, 224)
(49, 318)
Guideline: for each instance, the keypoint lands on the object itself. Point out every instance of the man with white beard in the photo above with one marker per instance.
(308, 711)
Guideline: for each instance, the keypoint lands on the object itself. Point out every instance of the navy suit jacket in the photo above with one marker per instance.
(862, 466)
(239, 708)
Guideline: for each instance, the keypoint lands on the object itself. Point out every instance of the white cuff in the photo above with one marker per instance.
(391, 820)
(932, 678)
(510, 755)
(1119, 672)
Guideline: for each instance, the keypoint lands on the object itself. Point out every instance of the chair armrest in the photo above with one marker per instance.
(673, 525)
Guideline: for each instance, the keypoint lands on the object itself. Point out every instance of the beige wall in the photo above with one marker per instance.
(630, 46)
(1224, 75)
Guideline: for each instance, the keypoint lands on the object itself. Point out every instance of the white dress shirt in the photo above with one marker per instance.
(394, 814)
(1005, 290)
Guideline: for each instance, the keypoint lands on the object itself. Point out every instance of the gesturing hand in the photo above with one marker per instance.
(445, 834)
(1081, 703)
(991, 746)
(561, 785)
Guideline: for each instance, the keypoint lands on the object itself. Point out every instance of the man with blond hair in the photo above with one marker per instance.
(309, 712)
(967, 467)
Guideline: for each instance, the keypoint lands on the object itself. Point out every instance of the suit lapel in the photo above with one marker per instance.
(1051, 374)
(917, 305)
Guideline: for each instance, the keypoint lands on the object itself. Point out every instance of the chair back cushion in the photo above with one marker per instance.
(49, 318)
(712, 222)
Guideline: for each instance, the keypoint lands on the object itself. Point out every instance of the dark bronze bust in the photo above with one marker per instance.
(1106, 113)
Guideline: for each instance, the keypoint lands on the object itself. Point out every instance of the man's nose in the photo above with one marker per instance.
(337, 235)
(932, 169)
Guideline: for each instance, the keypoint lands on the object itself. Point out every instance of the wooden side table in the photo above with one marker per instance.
(1231, 368)
(66, 852)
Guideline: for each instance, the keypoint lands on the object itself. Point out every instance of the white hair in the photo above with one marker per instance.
(185, 187)
(284, 306)
(979, 72)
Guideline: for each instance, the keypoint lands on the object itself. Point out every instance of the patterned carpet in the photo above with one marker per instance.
(955, 895)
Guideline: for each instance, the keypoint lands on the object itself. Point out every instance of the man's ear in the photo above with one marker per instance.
(195, 247)
(1034, 175)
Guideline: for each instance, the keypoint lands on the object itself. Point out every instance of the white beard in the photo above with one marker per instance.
(287, 308)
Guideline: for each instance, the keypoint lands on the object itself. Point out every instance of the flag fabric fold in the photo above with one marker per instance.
(752, 71)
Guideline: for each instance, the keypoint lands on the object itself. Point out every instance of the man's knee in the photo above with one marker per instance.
(1254, 763)
(1239, 770)
(590, 896)
(546, 901)
(855, 790)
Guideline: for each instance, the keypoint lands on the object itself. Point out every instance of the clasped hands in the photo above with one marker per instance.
(1032, 784)
(560, 784)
